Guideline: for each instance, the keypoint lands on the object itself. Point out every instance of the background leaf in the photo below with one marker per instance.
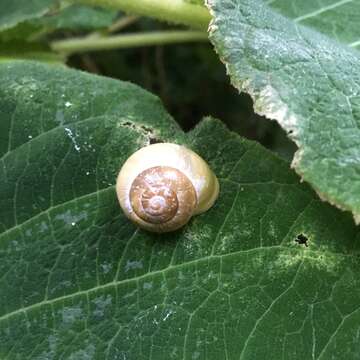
(15, 11)
(304, 80)
(79, 17)
(76, 18)
(24, 27)
(79, 281)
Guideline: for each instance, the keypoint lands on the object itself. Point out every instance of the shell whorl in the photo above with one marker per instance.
(164, 196)
(161, 186)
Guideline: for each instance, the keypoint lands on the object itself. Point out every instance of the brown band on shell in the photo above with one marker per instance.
(163, 194)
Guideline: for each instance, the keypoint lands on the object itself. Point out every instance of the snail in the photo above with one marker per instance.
(161, 186)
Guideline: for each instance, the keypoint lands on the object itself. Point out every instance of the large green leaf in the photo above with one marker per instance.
(78, 281)
(14, 12)
(336, 18)
(307, 82)
(79, 17)
(74, 17)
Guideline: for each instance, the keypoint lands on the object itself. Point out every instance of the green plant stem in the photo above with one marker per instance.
(117, 26)
(123, 23)
(174, 11)
(77, 45)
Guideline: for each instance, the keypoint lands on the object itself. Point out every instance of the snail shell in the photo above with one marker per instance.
(161, 186)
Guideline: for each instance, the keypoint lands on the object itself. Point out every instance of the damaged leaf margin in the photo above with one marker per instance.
(305, 81)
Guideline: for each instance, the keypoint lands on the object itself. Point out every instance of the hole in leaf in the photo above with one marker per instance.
(154, 141)
(302, 239)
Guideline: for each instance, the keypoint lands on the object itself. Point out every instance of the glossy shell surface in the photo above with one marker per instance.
(161, 186)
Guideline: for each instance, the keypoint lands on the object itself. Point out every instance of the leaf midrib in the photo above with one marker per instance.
(159, 272)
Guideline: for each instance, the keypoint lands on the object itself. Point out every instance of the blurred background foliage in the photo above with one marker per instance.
(189, 78)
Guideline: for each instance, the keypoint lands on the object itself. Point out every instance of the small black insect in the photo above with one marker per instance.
(302, 239)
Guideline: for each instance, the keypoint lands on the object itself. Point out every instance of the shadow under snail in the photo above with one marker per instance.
(161, 186)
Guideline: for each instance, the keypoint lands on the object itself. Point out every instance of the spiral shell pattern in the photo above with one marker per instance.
(163, 195)
(161, 186)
